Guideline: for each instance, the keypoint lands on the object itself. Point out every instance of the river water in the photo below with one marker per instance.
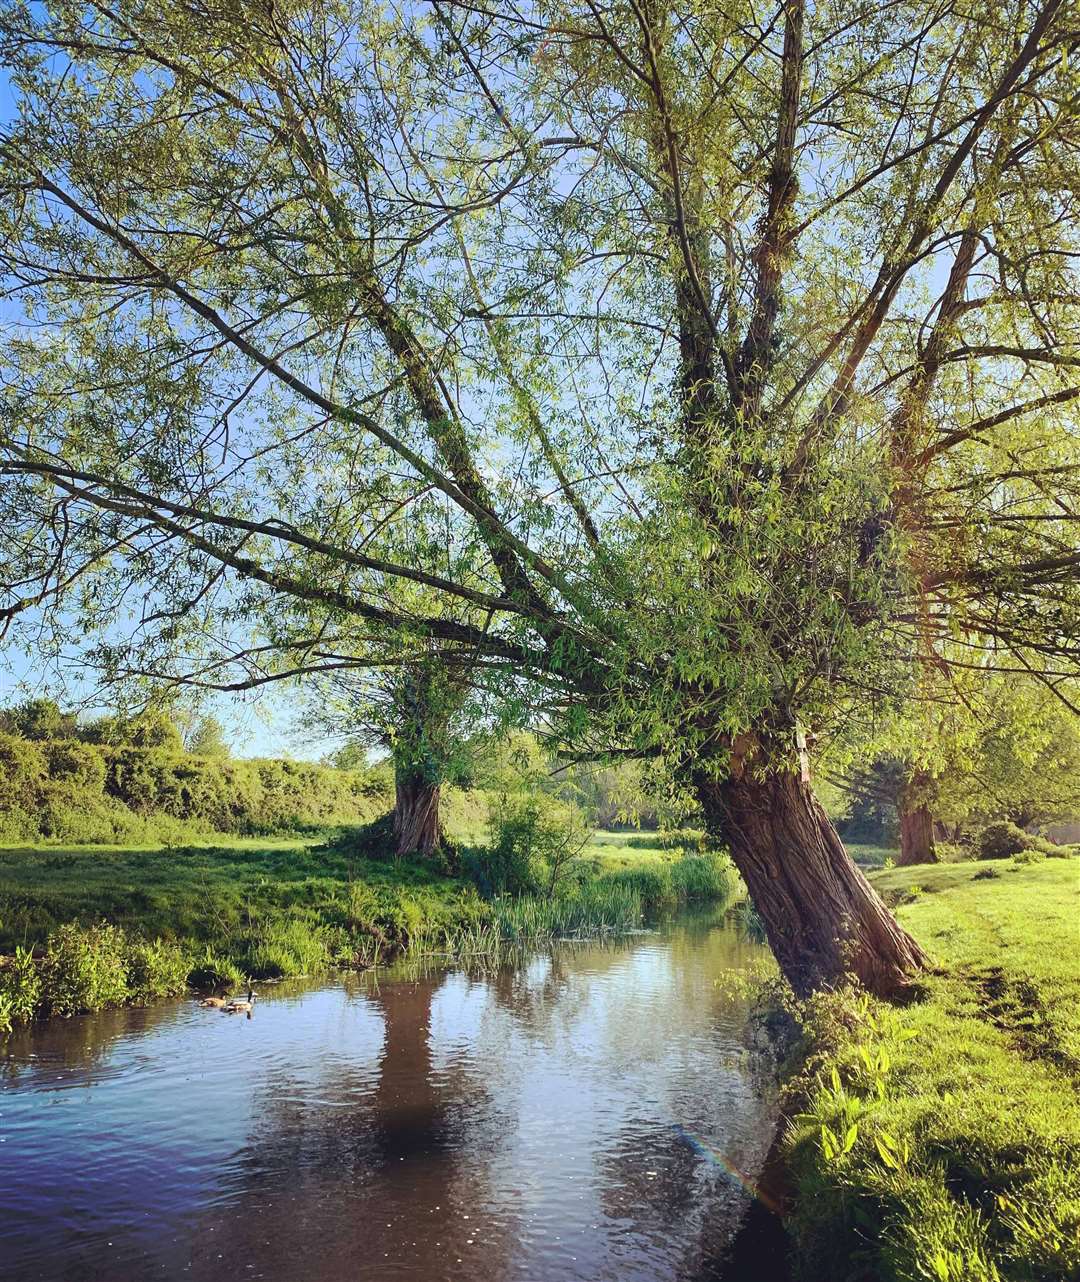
(593, 1112)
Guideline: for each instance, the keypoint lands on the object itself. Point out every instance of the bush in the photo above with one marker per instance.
(534, 843)
(1054, 851)
(20, 985)
(71, 790)
(1003, 838)
(23, 772)
(84, 969)
(155, 968)
(77, 764)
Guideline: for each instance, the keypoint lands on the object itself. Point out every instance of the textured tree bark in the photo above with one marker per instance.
(417, 830)
(916, 827)
(822, 918)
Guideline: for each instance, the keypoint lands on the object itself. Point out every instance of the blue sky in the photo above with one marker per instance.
(255, 728)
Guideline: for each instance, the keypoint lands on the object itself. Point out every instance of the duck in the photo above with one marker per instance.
(215, 1003)
(240, 1007)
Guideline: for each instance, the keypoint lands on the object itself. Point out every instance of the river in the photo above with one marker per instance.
(593, 1112)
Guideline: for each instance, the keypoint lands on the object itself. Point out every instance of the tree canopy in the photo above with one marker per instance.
(685, 371)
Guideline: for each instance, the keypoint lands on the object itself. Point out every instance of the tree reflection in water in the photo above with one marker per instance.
(522, 1121)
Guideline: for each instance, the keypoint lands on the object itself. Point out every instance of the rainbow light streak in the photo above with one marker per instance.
(732, 1172)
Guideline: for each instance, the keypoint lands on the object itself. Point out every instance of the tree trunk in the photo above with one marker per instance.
(822, 918)
(916, 821)
(916, 836)
(417, 830)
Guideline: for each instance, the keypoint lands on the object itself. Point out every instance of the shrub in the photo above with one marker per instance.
(1003, 838)
(535, 842)
(77, 764)
(69, 789)
(23, 772)
(20, 985)
(155, 968)
(84, 969)
(1054, 851)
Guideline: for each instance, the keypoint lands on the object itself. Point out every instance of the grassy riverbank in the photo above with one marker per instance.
(942, 1141)
(88, 927)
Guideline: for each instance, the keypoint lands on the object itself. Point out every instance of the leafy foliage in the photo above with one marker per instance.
(535, 843)
(701, 418)
(674, 380)
(67, 790)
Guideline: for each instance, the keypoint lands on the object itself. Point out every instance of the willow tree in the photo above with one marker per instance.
(418, 713)
(693, 367)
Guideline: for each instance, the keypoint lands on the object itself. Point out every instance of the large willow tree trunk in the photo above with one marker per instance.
(417, 830)
(822, 917)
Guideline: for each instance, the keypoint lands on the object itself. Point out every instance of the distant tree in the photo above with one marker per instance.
(419, 714)
(1024, 767)
(207, 738)
(865, 800)
(38, 719)
(151, 729)
(352, 755)
(1013, 755)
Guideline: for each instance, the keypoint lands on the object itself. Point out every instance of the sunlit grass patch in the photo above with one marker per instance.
(942, 1141)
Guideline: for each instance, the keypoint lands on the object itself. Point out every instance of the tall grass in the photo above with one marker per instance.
(596, 907)
(284, 947)
(665, 884)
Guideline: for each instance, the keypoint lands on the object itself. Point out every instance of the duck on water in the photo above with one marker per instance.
(231, 1005)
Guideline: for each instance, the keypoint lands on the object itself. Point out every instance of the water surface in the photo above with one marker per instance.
(589, 1113)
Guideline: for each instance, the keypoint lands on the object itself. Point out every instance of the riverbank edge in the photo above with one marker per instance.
(877, 1169)
(83, 967)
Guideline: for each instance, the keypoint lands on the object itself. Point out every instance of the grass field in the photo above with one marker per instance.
(207, 891)
(942, 1141)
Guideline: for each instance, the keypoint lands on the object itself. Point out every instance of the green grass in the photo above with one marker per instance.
(200, 892)
(664, 870)
(272, 909)
(960, 1113)
(867, 856)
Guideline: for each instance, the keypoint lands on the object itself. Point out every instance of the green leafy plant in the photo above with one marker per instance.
(20, 984)
(84, 969)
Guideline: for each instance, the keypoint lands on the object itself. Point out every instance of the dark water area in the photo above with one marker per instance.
(593, 1112)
